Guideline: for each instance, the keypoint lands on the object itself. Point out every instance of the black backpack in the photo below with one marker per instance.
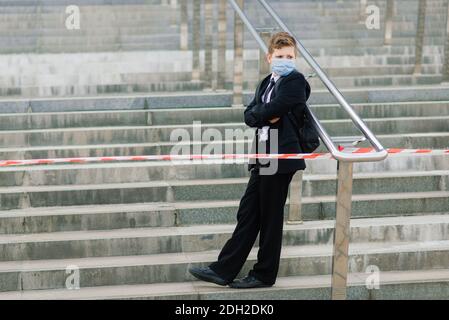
(308, 136)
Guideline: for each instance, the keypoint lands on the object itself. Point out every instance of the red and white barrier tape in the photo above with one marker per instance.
(309, 156)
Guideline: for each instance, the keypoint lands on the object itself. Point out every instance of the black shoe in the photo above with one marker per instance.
(207, 274)
(249, 282)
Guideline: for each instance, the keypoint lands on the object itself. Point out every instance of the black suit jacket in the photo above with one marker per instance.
(291, 95)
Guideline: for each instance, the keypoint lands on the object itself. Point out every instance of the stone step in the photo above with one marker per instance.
(348, 41)
(59, 30)
(166, 133)
(22, 28)
(317, 207)
(285, 10)
(108, 19)
(139, 180)
(99, 89)
(119, 118)
(159, 64)
(164, 68)
(95, 69)
(393, 285)
(314, 188)
(128, 83)
(373, 51)
(30, 5)
(431, 140)
(172, 43)
(367, 81)
(428, 140)
(54, 120)
(145, 241)
(126, 73)
(392, 60)
(323, 207)
(116, 216)
(55, 5)
(114, 88)
(381, 70)
(140, 87)
(214, 99)
(91, 10)
(290, 4)
(100, 217)
(34, 48)
(132, 24)
(92, 14)
(61, 90)
(124, 62)
(173, 267)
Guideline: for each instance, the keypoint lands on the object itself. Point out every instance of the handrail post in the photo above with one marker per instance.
(237, 100)
(184, 26)
(196, 41)
(208, 44)
(174, 5)
(389, 22)
(446, 49)
(295, 201)
(264, 66)
(362, 12)
(342, 230)
(321, 8)
(221, 56)
(419, 42)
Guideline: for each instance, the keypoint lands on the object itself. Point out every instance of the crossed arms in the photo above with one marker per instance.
(292, 92)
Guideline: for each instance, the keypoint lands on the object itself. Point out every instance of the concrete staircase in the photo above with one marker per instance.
(134, 229)
(134, 46)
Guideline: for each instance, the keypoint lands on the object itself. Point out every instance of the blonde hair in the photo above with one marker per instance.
(280, 40)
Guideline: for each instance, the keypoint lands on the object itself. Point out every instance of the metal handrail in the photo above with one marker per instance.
(380, 152)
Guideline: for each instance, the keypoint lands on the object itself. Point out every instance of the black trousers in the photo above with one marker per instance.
(261, 209)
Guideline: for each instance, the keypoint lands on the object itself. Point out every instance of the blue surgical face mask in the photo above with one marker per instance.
(282, 66)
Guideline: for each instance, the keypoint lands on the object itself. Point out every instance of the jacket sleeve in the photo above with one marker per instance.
(250, 118)
(291, 92)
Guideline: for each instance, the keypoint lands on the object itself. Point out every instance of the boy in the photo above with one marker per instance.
(262, 206)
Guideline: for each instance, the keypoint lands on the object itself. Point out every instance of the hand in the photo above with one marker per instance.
(274, 120)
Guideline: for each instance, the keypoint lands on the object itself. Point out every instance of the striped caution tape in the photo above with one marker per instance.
(307, 156)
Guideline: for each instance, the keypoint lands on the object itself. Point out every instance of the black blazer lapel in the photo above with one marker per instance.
(261, 88)
(264, 84)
